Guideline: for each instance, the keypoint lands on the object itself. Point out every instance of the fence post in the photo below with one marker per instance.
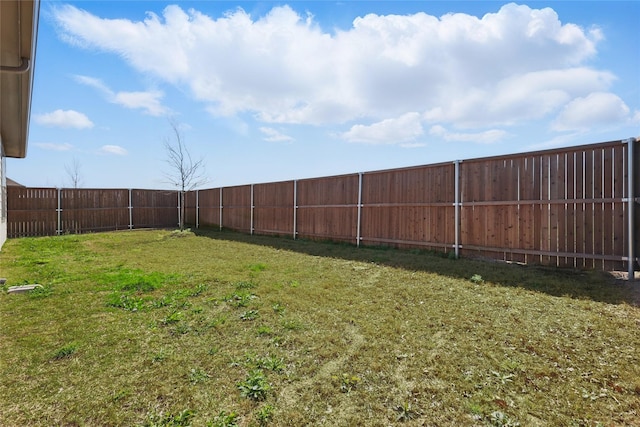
(359, 225)
(197, 209)
(221, 208)
(251, 225)
(130, 210)
(631, 211)
(295, 208)
(59, 212)
(457, 207)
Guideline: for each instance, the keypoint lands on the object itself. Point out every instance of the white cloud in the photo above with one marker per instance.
(505, 68)
(403, 129)
(485, 137)
(113, 149)
(599, 109)
(148, 101)
(53, 146)
(274, 135)
(64, 119)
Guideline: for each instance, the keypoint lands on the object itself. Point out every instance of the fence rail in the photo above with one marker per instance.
(568, 207)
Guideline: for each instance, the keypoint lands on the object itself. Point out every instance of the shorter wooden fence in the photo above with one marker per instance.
(54, 211)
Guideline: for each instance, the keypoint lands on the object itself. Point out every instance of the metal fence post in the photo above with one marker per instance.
(457, 207)
(130, 210)
(251, 225)
(220, 208)
(178, 193)
(359, 224)
(631, 211)
(59, 212)
(295, 208)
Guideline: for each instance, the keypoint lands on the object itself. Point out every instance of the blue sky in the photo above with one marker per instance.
(272, 91)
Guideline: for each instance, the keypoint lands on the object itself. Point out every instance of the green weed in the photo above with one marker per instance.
(65, 351)
(265, 414)
(224, 419)
(244, 285)
(197, 375)
(255, 386)
(477, 279)
(258, 267)
(41, 291)
(173, 317)
(278, 308)
(347, 382)
(264, 330)
(239, 299)
(250, 315)
(406, 412)
(126, 302)
(181, 419)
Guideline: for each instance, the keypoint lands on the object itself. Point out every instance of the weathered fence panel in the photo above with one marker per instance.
(154, 208)
(51, 211)
(83, 211)
(31, 211)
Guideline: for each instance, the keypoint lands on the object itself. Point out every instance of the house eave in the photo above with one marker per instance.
(18, 36)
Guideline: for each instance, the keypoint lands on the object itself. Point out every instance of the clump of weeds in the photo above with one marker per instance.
(65, 351)
(255, 386)
(224, 419)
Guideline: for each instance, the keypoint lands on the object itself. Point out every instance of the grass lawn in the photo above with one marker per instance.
(159, 328)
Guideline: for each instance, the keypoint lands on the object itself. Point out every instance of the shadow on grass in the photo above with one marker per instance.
(578, 284)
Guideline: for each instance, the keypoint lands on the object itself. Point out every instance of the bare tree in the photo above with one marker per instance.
(73, 173)
(184, 172)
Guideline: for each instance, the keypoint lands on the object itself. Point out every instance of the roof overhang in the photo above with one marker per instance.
(18, 35)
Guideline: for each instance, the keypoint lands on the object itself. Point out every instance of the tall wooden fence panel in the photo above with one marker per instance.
(327, 208)
(409, 207)
(562, 207)
(273, 209)
(236, 208)
(191, 207)
(210, 207)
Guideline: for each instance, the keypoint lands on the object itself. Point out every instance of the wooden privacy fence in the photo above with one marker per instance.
(567, 207)
(51, 211)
